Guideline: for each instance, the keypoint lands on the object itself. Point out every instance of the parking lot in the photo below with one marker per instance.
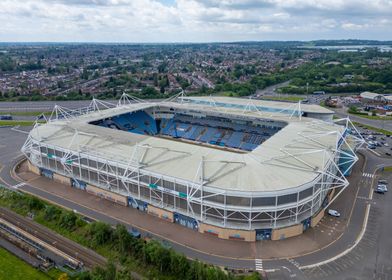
(379, 143)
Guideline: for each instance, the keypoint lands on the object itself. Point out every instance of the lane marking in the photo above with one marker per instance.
(16, 128)
(374, 152)
(368, 175)
(18, 185)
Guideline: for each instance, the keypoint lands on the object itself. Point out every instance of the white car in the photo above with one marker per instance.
(334, 213)
(386, 145)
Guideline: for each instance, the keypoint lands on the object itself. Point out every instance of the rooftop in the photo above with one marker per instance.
(291, 158)
(263, 104)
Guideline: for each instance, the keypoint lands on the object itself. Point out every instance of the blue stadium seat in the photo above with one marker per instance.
(211, 130)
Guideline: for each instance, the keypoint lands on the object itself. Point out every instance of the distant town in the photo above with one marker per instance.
(81, 71)
(36, 72)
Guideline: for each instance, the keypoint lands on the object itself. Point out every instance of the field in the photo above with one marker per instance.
(12, 268)
(14, 123)
(284, 98)
(388, 169)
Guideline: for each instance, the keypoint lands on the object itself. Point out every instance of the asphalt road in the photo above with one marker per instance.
(271, 90)
(286, 268)
(385, 124)
(44, 106)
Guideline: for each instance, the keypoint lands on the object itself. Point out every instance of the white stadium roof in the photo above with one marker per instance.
(278, 105)
(288, 159)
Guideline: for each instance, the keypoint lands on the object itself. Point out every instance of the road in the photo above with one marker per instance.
(271, 90)
(342, 112)
(287, 268)
(43, 106)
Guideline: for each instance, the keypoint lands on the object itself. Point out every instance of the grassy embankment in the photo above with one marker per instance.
(13, 268)
(366, 116)
(284, 98)
(15, 123)
(129, 254)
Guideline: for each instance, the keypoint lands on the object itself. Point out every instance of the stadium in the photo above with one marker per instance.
(234, 168)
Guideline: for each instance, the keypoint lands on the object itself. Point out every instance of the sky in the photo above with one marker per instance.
(154, 21)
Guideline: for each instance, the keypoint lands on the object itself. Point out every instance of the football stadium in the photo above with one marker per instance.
(234, 168)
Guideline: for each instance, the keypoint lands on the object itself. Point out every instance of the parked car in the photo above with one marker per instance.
(388, 154)
(382, 187)
(5, 117)
(382, 182)
(386, 144)
(379, 190)
(333, 213)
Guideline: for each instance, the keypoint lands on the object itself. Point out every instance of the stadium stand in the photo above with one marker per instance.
(211, 130)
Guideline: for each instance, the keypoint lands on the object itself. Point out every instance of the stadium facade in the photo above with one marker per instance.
(234, 168)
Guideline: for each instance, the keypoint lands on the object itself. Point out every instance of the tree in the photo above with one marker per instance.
(68, 220)
(179, 265)
(100, 233)
(34, 203)
(162, 67)
(104, 273)
(123, 238)
(63, 276)
(51, 212)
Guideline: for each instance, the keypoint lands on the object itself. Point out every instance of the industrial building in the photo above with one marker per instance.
(234, 168)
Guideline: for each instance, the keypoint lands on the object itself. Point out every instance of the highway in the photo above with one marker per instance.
(43, 106)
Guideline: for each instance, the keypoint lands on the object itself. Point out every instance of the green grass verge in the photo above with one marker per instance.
(386, 132)
(151, 259)
(388, 169)
(284, 98)
(386, 118)
(13, 268)
(20, 123)
(227, 93)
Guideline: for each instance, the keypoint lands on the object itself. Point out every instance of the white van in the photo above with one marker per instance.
(334, 213)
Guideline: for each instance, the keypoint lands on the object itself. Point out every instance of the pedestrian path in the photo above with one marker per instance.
(259, 264)
(367, 175)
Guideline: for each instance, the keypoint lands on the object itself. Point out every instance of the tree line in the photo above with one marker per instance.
(125, 251)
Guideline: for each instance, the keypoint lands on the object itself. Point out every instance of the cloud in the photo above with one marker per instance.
(193, 20)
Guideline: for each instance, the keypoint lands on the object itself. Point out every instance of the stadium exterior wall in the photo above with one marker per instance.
(119, 199)
(221, 232)
(257, 210)
(61, 179)
(34, 169)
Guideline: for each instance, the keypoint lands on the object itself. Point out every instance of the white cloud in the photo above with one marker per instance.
(193, 20)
